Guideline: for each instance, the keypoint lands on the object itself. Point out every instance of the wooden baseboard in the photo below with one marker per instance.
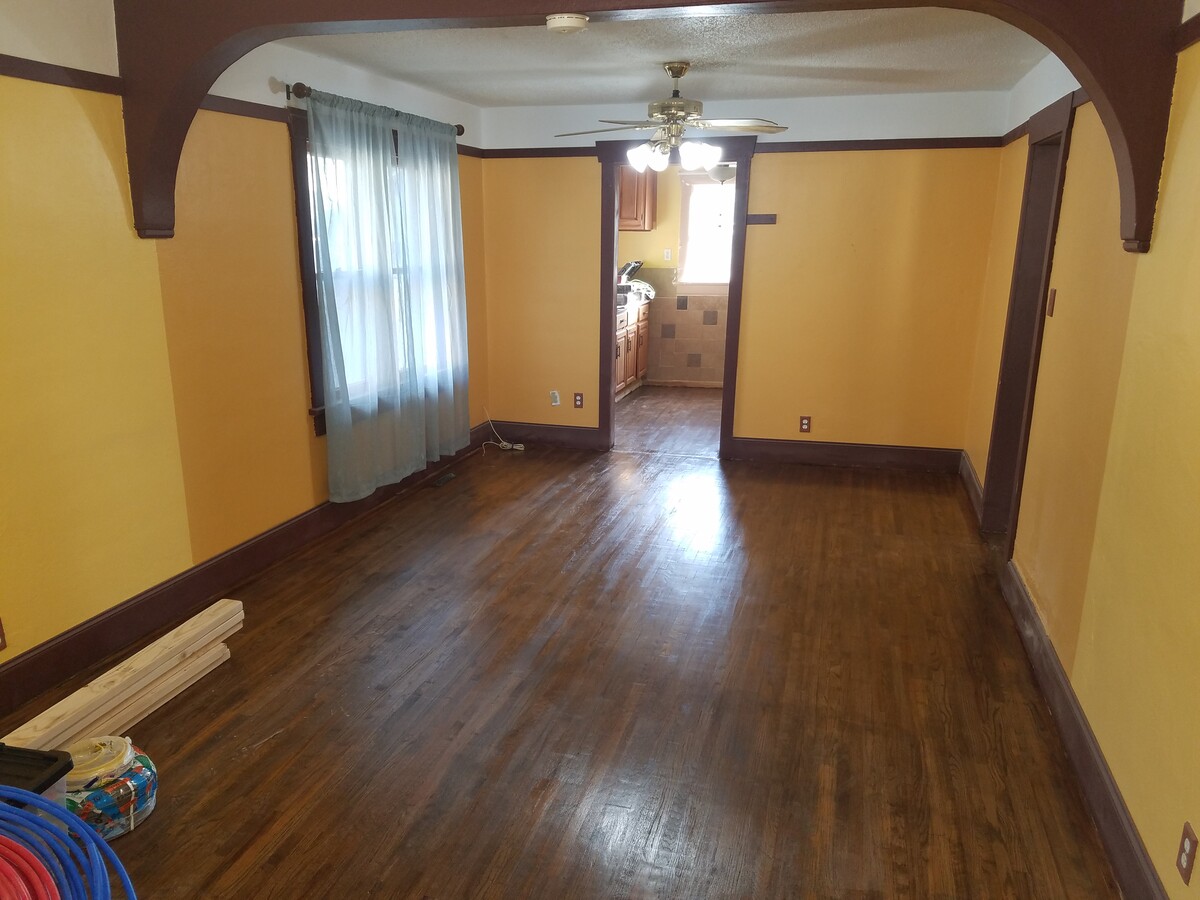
(824, 453)
(120, 629)
(970, 480)
(1134, 871)
(569, 437)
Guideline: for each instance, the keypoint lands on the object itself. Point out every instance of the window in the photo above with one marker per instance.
(706, 231)
(380, 238)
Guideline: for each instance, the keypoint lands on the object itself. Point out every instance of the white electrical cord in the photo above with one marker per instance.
(499, 442)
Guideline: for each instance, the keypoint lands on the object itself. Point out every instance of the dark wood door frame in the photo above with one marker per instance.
(1049, 145)
(611, 154)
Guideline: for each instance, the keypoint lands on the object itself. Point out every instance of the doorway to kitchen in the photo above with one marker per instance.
(676, 259)
(616, 345)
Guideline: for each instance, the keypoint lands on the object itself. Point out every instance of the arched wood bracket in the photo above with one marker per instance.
(171, 52)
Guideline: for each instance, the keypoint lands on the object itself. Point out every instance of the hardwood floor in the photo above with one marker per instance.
(679, 420)
(566, 674)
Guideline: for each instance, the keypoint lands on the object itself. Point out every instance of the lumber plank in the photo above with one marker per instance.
(167, 686)
(171, 685)
(118, 684)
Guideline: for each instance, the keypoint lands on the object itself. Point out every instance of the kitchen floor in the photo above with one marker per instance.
(682, 421)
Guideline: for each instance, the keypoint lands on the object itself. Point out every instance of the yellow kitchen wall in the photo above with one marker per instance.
(470, 180)
(993, 310)
(648, 246)
(1139, 638)
(1076, 389)
(235, 330)
(92, 505)
(855, 305)
(542, 236)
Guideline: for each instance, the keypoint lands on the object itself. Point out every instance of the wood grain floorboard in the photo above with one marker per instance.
(624, 675)
(678, 420)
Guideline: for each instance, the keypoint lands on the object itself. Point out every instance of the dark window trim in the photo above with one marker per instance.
(297, 121)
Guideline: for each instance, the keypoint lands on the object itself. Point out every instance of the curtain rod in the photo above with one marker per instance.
(300, 90)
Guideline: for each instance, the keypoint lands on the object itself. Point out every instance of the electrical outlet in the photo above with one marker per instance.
(1185, 859)
(667, 255)
(554, 399)
(578, 400)
(805, 424)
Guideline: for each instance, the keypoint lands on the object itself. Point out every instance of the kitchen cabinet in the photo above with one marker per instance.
(631, 343)
(630, 355)
(637, 199)
(642, 352)
(619, 376)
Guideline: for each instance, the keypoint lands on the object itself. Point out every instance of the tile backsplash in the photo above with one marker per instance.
(687, 339)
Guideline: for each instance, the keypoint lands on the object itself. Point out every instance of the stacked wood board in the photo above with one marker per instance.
(126, 694)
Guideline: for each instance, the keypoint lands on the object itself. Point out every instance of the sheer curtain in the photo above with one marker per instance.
(390, 290)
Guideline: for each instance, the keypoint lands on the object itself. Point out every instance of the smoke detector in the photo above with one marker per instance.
(566, 23)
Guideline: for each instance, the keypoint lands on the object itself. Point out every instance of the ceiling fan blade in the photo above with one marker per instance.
(758, 126)
(645, 123)
(637, 127)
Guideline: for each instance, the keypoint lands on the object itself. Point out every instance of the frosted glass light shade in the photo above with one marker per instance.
(696, 155)
(639, 156)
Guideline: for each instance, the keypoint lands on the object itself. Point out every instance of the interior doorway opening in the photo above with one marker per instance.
(615, 345)
(674, 259)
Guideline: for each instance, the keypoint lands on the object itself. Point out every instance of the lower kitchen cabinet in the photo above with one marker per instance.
(631, 343)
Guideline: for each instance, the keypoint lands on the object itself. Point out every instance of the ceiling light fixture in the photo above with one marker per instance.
(566, 23)
(656, 152)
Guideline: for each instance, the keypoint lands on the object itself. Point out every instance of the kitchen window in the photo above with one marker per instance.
(705, 234)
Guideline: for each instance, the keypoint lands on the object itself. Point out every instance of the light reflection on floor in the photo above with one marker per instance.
(695, 505)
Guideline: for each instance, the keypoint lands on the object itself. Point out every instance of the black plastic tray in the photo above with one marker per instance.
(32, 770)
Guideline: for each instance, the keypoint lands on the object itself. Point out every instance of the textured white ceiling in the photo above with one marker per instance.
(758, 56)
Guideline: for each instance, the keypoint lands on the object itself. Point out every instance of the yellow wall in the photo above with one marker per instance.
(993, 311)
(1139, 638)
(856, 304)
(470, 180)
(235, 329)
(542, 232)
(648, 246)
(92, 507)
(1076, 389)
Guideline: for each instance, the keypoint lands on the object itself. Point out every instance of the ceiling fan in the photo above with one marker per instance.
(668, 119)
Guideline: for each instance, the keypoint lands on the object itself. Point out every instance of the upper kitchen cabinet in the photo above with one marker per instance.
(637, 204)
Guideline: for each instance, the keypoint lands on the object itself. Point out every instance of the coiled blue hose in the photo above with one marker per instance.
(72, 852)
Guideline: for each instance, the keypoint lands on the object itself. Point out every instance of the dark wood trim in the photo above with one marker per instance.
(468, 150)
(761, 218)
(569, 437)
(1132, 866)
(1016, 134)
(958, 143)
(65, 76)
(1188, 34)
(170, 55)
(826, 453)
(1081, 97)
(1049, 148)
(244, 108)
(538, 152)
(164, 606)
(297, 121)
(970, 480)
(1055, 119)
(740, 151)
(611, 158)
